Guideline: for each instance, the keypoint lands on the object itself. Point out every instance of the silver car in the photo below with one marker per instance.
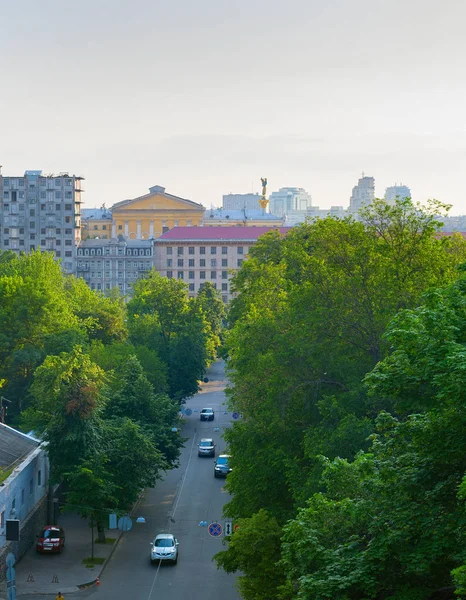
(206, 447)
(164, 549)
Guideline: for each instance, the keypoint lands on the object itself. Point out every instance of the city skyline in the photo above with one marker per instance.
(205, 102)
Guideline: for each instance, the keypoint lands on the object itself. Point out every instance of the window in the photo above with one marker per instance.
(57, 242)
(104, 227)
(58, 231)
(120, 227)
(224, 274)
(191, 275)
(32, 212)
(180, 274)
(169, 250)
(169, 274)
(68, 207)
(213, 274)
(180, 251)
(42, 231)
(68, 253)
(32, 247)
(202, 274)
(6, 230)
(42, 195)
(240, 249)
(69, 243)
(213, 262)
(22, 496)
(169, 262)
(224, 262)
(57, 182)
(58, 197)
(58, 253)
(213, 249)
(21, 230)
(191, 250)
(240, 262)
(191, 262)
(202, 262)
(31, 486)
(42, 242)
(201, 249)
(180, 262)
(39, 477)
(67, 231)
(191, 287)
(67, 219)
(224, 287)
(224, 250)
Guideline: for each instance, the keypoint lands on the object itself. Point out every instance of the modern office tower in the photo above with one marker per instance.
(289, 199)
(241, 201)
(41, 211)
(397, 191)
(363, 193)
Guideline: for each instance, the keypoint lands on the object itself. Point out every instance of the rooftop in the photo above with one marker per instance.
(14, 446)
(250, 233)
(239, 214)
(96, 213)
(159, 190)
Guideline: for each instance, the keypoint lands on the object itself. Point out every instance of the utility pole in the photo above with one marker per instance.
(3, 408)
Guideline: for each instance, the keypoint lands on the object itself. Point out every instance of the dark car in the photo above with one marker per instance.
(207, 414)
(222, 467)
(206, 447)
(50, 539)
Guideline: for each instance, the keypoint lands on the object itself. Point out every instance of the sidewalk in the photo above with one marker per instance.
(65, 572)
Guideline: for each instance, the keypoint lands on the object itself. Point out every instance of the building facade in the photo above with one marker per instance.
(41, 211)
(289, 199)
(24, 473)
(363, 194)
(114, 263)
(96, 223)
(154, 213)
(257, 217)
(395, 192)
(199, 254)
(241, 201)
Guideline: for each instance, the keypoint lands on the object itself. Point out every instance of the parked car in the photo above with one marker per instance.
(50, 539)
(222, 467)
(164, 548)
(207, 414)
(206, 447)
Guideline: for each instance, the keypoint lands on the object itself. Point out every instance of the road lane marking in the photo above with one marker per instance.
(174, 508)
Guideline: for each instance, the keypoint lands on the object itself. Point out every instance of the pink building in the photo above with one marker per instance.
(200, 254)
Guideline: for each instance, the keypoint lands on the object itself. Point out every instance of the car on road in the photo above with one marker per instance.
(164, 548)
(206, 447)
(222, 466)
(207, 414)
(51, 539)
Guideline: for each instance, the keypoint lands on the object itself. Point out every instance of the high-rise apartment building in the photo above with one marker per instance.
(363, 193)
(241, 201)
(397, 191)
(289, 199)
(41, 211)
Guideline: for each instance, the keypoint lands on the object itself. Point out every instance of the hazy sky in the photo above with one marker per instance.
(206, 97)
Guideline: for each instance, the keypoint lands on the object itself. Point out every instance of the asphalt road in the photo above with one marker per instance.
(188, 495)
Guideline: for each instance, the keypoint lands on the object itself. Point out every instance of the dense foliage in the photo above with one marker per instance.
(347, 369)
(104, 398)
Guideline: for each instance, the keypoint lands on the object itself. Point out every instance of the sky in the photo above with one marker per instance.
(206, 97)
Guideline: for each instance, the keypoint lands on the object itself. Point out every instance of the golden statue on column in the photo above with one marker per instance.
(263, 200)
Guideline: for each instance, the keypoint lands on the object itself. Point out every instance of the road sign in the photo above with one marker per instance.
(188, 412)
(228, 527)
(203, 523)
(215, 529)
(125, 523)
(235, 415)
(236, 527)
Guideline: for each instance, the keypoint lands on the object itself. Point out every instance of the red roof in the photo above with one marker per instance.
(218, 233)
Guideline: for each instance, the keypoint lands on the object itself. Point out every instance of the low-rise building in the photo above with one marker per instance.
(106, 264)
(199, 254)
(24, 487)
(96, 223)
(221, 217)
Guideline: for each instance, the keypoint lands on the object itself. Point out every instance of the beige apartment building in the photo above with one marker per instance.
(199, 254)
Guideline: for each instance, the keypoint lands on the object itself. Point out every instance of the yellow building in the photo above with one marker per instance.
(154, 213)
(96, 223)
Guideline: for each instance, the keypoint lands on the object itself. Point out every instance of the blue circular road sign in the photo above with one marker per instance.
(235, 415)
(188, 411)
(215, 529)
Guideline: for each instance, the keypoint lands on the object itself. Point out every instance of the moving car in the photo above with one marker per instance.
(222, 468)
(164, 549)
(50, 539)
(206, 447)
(207, 414)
